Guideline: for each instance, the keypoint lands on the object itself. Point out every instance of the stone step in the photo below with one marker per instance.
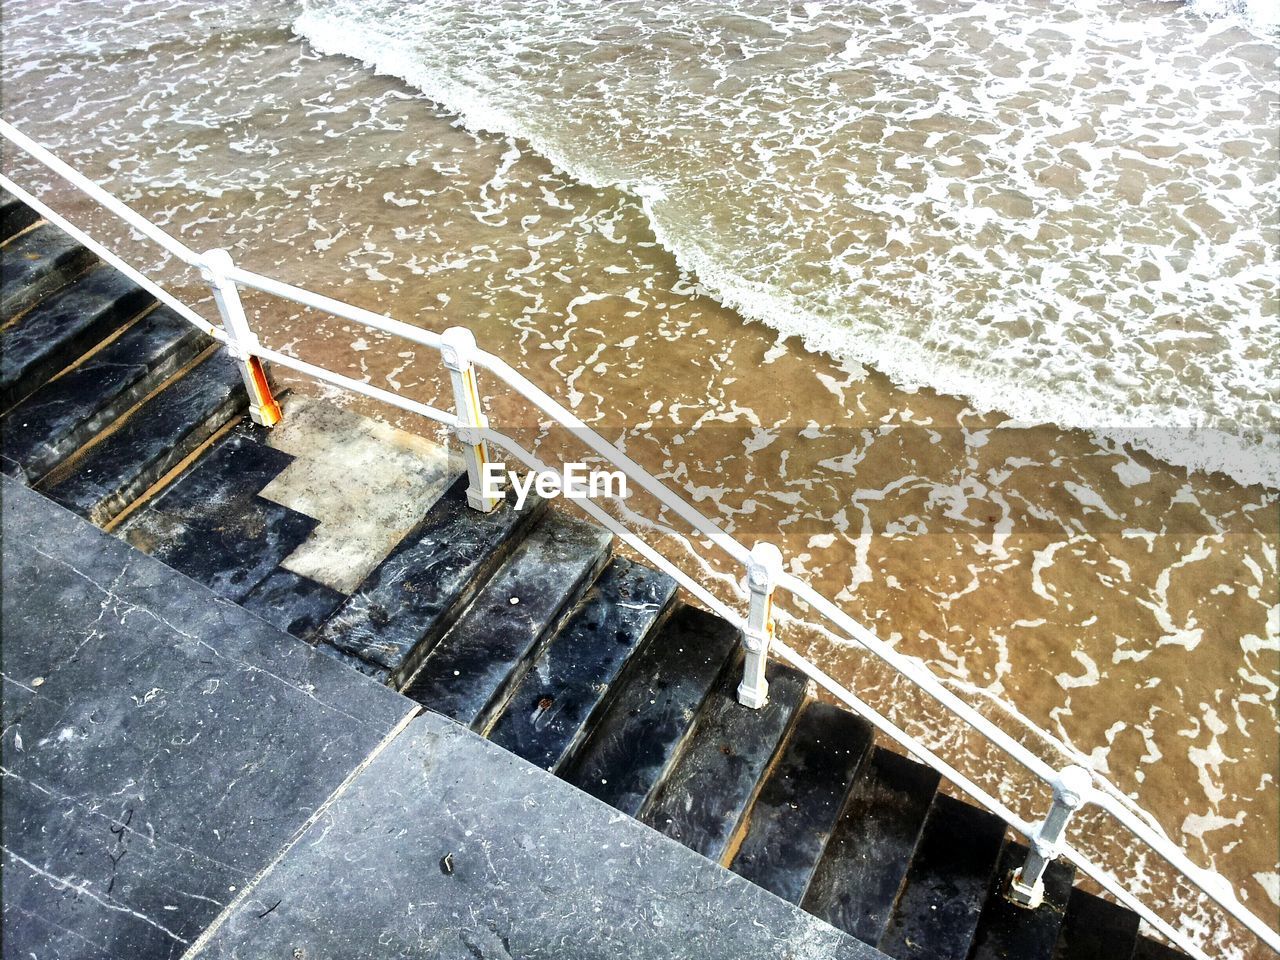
(1006, 930)
(861, 871)
(1148, 949)
(407, 603)
(155, 438)
(705, 797)
(296, 604)
(643, 728)
(470, 672)
(64, 414)
(67, 324)
(34, 265)
(801, 800)
(553, 707)
(1096, 929)
(950, 876)
(210, 523)
(15, 216)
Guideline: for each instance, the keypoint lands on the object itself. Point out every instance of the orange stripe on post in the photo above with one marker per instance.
(266, 403)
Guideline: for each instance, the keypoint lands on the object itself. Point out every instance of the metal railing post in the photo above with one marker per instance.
(242, 343)
(457, 344)
(1070, 792)
(764, 565)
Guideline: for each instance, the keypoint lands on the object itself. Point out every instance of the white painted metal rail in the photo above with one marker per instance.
(1072, 787)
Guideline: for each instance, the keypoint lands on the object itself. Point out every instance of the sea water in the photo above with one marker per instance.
(1058, 578)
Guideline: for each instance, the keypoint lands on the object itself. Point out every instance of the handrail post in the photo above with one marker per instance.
(457, 345)
(242, 343)
(1070, 792)
(764, 565)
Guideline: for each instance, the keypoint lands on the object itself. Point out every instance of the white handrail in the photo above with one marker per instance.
(913, 670)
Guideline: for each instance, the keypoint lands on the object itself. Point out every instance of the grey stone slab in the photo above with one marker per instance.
(34, 265)
(295, 604)
(165, 745)
(154, 439)
(551, 710)
(801, 799)
(407, 603)
(15, 216)
(212, 525)
(62, 328)
(945, 887)
(707, 793)
(639, 734)
(60, 417)
(856, 883)
(1095, 929)
(1006, 930)
(473, 667)
(448, 847)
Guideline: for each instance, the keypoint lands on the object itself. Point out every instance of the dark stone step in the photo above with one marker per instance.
(66, 325)
(552, 708)
(705, 796)
(156, 437)
(34, 265)
(473, 667)
(404, 606)
(296, 604)
(858, 877)
(947, 883)
(15, 216)
(63, 415)
(801, 800)
(643, 728)
(1096, 929)
(210, 523)
(1148, 949)
(1005, 930)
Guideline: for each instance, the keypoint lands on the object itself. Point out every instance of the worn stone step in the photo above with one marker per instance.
(705, 797)
(15, 216)
(407, 603)
(801, 800)
(34, 265)
(155, 438)
(475, 665)
(861, 870)
(950, 876)
(1006, 930)
(643, 728)
(64, 326)
(64, 414)
(296, 604)
(552, 708)
(210, 523)
(1148, 949)
(1096, 929)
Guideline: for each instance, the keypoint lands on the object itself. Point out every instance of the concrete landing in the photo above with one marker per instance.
(449, 847)
(160, 744)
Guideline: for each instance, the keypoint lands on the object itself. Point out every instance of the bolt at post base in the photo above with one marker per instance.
(1029, 896)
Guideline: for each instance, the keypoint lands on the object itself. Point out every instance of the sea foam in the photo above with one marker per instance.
(1065, 217)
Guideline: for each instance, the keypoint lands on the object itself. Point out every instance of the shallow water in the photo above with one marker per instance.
(1066, 213)
(1122, 604)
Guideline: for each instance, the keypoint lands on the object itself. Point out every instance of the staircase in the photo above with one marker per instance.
(520, 624)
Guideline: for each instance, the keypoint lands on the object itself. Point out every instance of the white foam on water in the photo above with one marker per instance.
(1073, 229)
